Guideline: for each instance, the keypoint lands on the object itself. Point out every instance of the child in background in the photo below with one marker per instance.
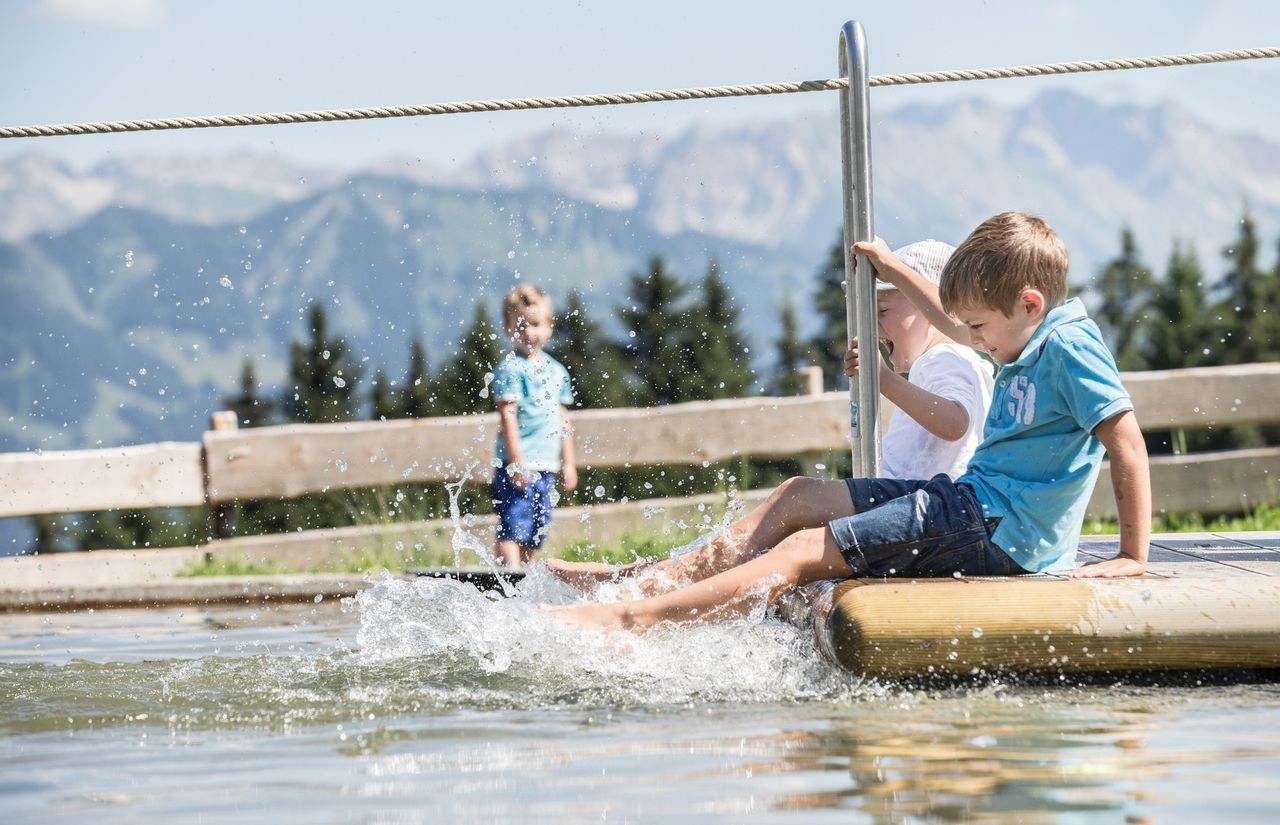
(941, 406)
(1017, 509)
(532, 391)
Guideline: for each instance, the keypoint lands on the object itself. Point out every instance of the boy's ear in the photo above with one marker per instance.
(1032, 302)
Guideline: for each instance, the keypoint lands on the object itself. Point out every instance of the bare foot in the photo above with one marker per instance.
(601, 616)
(585, 575)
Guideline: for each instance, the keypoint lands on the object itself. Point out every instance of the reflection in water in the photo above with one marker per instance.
(432, 702)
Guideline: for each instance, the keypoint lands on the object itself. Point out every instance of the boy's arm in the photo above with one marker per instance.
(941, 417)
(1131, 480)
(918, 291)
(509, 427)
(566, 451)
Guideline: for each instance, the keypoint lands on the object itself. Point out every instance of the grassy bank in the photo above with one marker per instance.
(660, 545)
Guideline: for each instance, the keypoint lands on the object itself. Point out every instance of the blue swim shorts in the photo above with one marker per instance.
(524, 516)
(918, 529)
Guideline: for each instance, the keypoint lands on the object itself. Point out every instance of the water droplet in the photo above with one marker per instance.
(342, 466)
(511, 253)
(599, 491)
(339, 382)
(243, 230)
(977, 633)
(225, 281)
(128, 259)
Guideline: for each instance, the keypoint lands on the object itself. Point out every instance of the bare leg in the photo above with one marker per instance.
(807, 556)
(798, 503)
(512, 553)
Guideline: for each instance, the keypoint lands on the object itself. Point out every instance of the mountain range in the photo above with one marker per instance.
(131, 292)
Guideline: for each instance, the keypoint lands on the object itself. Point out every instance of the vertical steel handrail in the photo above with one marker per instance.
(860, 287)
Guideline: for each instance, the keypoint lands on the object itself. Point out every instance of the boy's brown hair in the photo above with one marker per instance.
(525, 295)
(1003, 256)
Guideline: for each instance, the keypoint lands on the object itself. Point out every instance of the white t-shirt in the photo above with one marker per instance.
(954, 372)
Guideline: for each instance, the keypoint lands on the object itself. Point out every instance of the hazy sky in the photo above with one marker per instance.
(71, 60)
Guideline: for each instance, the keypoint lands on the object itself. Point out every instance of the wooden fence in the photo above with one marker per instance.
(288, 461)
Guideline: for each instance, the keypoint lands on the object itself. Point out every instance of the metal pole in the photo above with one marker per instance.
(860, 286)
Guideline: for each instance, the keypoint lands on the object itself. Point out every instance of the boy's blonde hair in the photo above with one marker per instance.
(525, 295)
(1003, 256)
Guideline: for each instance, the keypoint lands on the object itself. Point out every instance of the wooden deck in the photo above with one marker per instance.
(1208, 601)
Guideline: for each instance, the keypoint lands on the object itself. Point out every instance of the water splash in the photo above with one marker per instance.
(530, 657)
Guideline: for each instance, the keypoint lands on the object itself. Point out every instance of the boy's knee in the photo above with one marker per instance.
(803, 551)
(796, 488)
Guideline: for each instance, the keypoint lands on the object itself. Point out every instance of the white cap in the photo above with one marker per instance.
(926, 257)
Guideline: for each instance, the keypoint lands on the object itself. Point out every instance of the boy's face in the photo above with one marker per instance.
(1003, 336)
(532, 329)
(903, 329)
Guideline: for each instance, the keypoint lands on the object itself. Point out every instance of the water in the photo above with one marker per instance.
(430, 702)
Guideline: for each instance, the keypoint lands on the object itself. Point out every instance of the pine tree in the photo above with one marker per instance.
(1125, 286)
(594, 364)
(832, 340)
(462, 380)
(251, 409)
(655, 329)
(323, 381)
(1248, 309)
(1179, 334)
(792, 354)
(384, 400)
(418, 398)
(719, 363)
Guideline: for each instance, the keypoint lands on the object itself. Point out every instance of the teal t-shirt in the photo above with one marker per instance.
(538, 388)
(1038, 460)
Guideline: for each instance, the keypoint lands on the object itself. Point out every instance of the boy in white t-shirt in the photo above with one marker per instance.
(944, 397)
(941, 408)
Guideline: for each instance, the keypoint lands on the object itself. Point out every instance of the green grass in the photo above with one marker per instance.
(232, 567)
(376, 558)
(1264, 517)
(386, 556)
(632, 546)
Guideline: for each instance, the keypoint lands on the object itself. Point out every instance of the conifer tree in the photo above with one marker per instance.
(829, 345)
(791, 353)
(719, 363)
(594, 364)
(322, 378)
(1179, 332)
(463, 379)
(384, 400)
(655, 329)
(1249, 307)
(418, 398)
(1124, 286)
(251, 409)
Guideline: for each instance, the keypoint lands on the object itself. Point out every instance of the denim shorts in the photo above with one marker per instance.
(918, 529)
(524, 516)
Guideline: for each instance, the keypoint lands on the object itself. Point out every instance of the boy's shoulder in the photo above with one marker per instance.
(1066, 334)
(950, 353)
(554, 364)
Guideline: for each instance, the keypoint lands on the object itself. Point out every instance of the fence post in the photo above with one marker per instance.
(810, 380)
(222, 517)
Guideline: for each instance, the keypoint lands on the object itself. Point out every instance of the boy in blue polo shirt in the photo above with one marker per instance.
(532, 390)
(1017, 509)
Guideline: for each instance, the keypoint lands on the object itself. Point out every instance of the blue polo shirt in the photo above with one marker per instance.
(1038, 460)
(538, 388)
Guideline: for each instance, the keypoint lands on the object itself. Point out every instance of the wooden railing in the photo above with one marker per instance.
(292, 460)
